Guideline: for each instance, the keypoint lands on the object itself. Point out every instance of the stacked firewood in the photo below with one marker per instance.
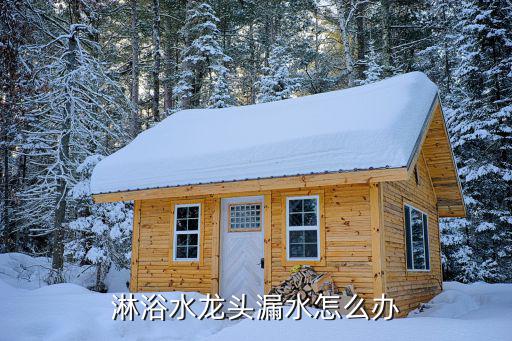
(306, 283)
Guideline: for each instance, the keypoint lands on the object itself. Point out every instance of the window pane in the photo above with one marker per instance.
(418, 243)
(425, 237)
(296, 250)
(192, 239)
(181, 212)
(193, 212)
(181, 224)
(310, 205)
(296, 237)
(407, 211)
(181, 252)
(309, 219)
(192, 252)
(310, 236)
(311, 250)
(192, 224)
(181, 239)
(295, 219)
(295, 205)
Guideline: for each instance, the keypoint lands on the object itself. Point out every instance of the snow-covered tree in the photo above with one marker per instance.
(374, 70)
(277, 83)
(202, 54)
(101, 233)
(14, 86)
(79, 111)
(481, 129)
(221, 95)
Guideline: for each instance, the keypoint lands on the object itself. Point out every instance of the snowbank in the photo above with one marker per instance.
(69, 312)
(23, 271)
(461, 312)
(375, 125)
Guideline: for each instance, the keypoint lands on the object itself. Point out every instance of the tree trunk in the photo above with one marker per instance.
(343, 26)
(156, 60)
(62, 185)
(168, 67)
(134, 85)
(187, 71)
(5, 214)
(252, 65)
(386, 38)
(361, 42)
(447, 69)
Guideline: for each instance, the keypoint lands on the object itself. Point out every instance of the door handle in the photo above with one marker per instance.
(262, 263)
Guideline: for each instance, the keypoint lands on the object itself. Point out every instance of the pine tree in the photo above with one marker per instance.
(14, 85)
(481, 128)
(101, 232)
(202, 54)
(221, 95)
(374, 70)
(277, 83)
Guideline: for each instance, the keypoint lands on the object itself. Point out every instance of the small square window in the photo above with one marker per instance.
(244, 217)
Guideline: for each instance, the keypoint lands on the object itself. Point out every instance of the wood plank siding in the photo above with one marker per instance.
(443, 172)
(410, 288)
(347, 239)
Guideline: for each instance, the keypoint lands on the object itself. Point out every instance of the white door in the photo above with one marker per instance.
(241, 271)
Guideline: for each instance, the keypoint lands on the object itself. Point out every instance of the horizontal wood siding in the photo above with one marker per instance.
(155, 272)
(438, 155)
(409, 288)
(348, 253)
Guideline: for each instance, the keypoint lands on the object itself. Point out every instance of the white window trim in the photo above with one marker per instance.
(426, 251)
(303, 228)
(176, 232)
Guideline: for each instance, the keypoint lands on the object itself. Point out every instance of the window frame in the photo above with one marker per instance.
(316, 228)
(187, 232)
(426, 240)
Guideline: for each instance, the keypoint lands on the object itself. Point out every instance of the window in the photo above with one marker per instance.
(416, 236)
(302, 228)
(186, 232)
(245, 217)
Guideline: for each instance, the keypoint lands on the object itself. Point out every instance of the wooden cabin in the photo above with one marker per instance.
(352, 182)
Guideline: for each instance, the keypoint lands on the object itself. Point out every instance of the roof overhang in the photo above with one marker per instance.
(434, 144)
(258, 185)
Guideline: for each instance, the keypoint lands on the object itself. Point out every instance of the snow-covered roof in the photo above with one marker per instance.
(370, 126)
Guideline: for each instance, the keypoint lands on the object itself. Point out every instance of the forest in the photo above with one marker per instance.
(82, 78)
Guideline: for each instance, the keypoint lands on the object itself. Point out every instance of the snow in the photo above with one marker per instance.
(22, 271)
(375, 125)
(32, 311)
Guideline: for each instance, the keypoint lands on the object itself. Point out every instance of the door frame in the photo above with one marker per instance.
(267, 238)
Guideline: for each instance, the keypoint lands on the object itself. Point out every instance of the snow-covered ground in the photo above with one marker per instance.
(26, 272)
(70, 312)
